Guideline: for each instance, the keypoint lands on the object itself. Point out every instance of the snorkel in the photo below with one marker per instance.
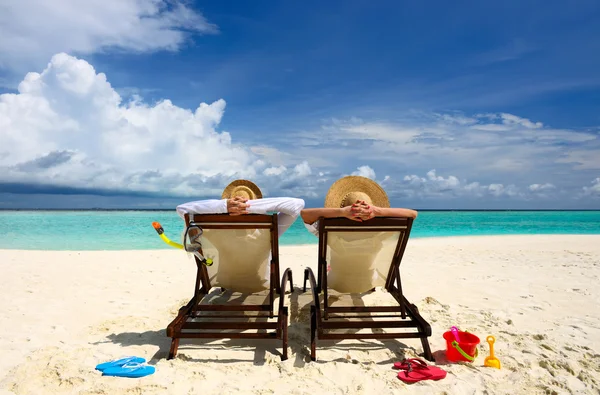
(161, 232)
(194, 246)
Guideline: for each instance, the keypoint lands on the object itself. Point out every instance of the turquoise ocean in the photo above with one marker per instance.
(132, 230)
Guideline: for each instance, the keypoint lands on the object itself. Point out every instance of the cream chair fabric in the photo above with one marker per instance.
(241, 258)
(359, 261)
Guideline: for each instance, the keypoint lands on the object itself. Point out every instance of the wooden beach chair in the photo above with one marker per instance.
(354, 258)
(245, 255)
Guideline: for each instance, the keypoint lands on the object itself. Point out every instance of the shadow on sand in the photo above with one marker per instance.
(298, 342)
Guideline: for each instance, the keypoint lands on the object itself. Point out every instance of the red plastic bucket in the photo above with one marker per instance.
(468, 345)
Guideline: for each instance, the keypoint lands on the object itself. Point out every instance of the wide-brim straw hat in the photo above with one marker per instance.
(243, 188)
(348, 190)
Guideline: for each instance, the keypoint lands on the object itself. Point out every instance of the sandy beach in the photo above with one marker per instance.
(64, 312)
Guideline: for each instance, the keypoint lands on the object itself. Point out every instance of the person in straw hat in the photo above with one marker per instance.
(354, 197)
(245, 197)
(353, 254)
(238, 198)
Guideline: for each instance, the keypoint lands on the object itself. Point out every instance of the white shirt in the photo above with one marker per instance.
(288, 209)
(313, 228)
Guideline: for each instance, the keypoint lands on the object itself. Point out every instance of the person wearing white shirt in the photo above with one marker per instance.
(244, 197)
(241, 197)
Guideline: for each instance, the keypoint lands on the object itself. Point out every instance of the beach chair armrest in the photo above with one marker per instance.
(310, 276)
(287, 276)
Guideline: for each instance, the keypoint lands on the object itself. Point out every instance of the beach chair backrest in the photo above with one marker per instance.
(240, 248)
(358, 256)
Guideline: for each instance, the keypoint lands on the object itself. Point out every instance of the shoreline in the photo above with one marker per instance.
(315, 244)
(69, 310)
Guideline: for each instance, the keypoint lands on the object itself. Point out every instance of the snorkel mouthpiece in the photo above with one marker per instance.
(158, 227)
(194, 245)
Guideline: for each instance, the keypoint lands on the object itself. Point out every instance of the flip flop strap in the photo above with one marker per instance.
(418, 364)
(416, 361)
(134, 365)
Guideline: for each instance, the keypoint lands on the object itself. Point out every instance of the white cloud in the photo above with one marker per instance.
(594, 189)
(501, 190)
(33, 30)
(457, 119)
(432, 179)
(445, 183)
(67, 126)
(357, 129)
(581, 159)
(295, 182)
(509, 119)
(491, 148)
(437, 186)
(541, 187)
(274, 171)
(303, 169)
(545, 191)
(272, 155)
(365, 171)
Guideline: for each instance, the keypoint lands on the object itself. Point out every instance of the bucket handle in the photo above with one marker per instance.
(464, 354)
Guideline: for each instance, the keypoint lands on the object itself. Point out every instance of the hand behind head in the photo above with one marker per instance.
(237, 205)
(362, 210)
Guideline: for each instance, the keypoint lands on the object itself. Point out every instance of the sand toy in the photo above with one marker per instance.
(491, 360)
(460, 346)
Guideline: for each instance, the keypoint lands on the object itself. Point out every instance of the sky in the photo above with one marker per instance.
(152, 103)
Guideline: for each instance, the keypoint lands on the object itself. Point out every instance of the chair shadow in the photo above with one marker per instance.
(302, 349)
(159, 339)
(298, 342)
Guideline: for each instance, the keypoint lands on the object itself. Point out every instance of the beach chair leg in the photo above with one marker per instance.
(305, 280)
(313, 333)
(291, 283)
(284, 354)
(174, 347)
(427, 350)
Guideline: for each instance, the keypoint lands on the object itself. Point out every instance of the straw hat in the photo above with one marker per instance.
(243, 188)
(348, 190)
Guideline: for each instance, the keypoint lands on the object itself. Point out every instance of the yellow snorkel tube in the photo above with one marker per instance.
(161, 232)
(159, 229)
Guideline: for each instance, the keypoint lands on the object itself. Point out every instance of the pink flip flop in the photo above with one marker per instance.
(414, 370)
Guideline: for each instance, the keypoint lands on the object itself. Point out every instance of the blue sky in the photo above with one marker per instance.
(447, 105)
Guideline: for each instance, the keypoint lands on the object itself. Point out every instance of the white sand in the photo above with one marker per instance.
(61, 313)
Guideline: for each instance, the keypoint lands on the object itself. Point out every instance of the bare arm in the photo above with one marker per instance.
(361, 213)
(311, 215)
(394, 212)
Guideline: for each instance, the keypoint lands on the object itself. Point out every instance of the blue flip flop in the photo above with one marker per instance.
(119, 362)
(132, 369)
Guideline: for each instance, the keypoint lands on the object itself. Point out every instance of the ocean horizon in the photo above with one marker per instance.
(131, 229)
